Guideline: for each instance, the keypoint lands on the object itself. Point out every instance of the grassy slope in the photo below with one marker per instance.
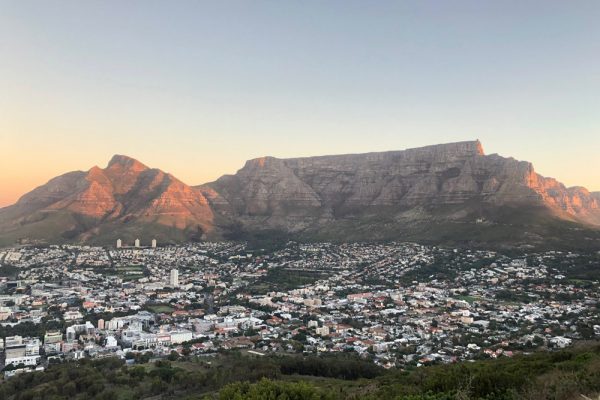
(502, 227)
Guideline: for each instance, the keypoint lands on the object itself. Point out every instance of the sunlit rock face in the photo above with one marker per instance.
(126, 198)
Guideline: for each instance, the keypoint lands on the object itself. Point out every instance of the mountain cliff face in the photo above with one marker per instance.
(443, 193)
(452, 182)
(126, 199)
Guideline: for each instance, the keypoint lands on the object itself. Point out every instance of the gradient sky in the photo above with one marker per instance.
(196, 88)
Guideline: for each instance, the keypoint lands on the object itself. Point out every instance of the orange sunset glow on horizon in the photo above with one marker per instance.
(197, 91)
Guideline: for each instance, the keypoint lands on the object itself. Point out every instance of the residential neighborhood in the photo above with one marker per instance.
(397, 304)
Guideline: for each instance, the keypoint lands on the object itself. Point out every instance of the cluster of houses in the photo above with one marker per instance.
(397, 304)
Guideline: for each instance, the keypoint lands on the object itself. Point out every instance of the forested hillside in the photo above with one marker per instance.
(562, 375)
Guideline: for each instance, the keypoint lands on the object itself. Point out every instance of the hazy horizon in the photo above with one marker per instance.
(197, 88)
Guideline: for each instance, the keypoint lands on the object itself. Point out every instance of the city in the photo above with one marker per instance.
(396, 304)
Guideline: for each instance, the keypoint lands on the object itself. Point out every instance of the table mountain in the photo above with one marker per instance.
(443, 193)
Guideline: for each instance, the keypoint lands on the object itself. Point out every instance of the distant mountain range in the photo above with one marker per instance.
(448, 193)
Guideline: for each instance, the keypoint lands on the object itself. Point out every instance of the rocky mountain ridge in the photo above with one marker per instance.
(447, 192)
(126, 197)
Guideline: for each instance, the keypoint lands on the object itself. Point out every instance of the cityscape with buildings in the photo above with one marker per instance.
(395, 304)
(300, 200)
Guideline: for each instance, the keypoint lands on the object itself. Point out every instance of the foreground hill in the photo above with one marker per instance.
(449, 193)
(565, 375)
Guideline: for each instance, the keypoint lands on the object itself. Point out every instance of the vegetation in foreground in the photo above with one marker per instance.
(562, 375)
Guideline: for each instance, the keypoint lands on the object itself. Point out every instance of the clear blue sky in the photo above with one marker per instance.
(196, 88)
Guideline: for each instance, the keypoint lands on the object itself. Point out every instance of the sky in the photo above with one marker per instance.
(198, 87)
